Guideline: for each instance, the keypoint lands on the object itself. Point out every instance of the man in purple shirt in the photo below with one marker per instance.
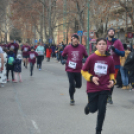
(116, 50)
(14, 47)
(75, 53)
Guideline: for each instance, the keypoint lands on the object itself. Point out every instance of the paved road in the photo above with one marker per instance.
(40, 105)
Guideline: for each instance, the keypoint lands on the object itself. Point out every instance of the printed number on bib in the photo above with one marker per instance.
(12, 47)
(32, 56)
(25, 49)
(100, 69)
(72, 65)
(40, 52)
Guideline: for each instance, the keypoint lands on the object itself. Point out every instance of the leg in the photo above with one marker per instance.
(102, 103)
(78, 79)
(123, 77)
(12, 74)
(92, 105)
(7, 74)
(26, 62)
(20, 77)
(16, 77)
(71, 85)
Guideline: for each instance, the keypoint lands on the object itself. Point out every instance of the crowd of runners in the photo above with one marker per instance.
(100, 69)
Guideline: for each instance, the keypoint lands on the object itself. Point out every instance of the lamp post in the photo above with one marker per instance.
(88, 28)
(118, 32)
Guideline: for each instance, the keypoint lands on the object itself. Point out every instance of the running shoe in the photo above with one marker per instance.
(86, 110)
(72, 102)
(8, 80)
(39, 69)
(109, 100)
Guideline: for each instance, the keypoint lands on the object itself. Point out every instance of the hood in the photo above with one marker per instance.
(99, 54)
(113, 39)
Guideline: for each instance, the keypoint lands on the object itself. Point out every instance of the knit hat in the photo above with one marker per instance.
(75, 36)
(111, 29)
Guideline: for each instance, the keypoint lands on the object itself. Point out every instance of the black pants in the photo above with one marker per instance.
(119, 81)
(111, 91)
(75, 81)
(131, 78)
(39, 61)
(12, 74)
(98, 101)
(31, 68)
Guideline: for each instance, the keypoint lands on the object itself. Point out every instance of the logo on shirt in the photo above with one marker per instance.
(75, 55)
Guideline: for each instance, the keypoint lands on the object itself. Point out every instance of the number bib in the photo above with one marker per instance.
(12, 47)
(40, 52)
(25, 49)
(32, 56)
(100, 69)
(72, 65)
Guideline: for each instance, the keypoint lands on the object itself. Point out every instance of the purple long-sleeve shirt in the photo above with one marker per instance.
(75, 56)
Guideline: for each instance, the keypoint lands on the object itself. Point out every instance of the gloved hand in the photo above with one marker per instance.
(84, 60)
(63, 61)
(113, 48)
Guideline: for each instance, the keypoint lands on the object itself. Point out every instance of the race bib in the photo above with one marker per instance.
(72, 65)
(25, 49)
(12, 47)
(32, 56)
(40, 53)
(100, 69)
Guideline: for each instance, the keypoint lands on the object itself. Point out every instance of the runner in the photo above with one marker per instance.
(32, 59)
(99, 73)
(75, 53)
(14, 47)
(25, 49)
(17, 68)
(116, 50)
(41, 51)
(10, 63)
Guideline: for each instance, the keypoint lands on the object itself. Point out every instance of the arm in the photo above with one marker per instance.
(120, 53)
(85, 70)
(2, 61)
(65, 52)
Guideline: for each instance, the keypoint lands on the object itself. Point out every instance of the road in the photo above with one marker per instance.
(40, 105)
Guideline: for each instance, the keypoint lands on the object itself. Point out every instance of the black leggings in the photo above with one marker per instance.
(39, 61)
(98, 101)
(11, 73)
(75, 81)
(31, 68)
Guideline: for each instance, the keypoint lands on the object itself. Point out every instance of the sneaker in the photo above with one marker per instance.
(86, 110)
(109, 100)
(72, 102)
(124, 88)
(13, 80)
(39, 69)
(128, 87)
(20, 80)
(8, 80)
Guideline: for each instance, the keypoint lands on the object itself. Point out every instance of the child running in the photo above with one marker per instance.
(17, 68)
(32, 59)
(99, 73)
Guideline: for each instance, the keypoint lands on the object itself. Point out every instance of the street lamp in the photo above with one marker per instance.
(88, 28)
(118, 31)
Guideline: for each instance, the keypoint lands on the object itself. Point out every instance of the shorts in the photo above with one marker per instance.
(26, 57)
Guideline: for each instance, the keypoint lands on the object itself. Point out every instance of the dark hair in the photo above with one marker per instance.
(98, 40)
(75, 36)
(125, 46)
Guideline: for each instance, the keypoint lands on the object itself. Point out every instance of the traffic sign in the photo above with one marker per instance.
(50, 40)
(80, 33)
(36, 41)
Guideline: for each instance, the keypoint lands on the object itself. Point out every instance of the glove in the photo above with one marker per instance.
(63, 62)
(113, 48)
(84, 60)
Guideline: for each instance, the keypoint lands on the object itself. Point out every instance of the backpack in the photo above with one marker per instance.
(10, 59)
(129, 64)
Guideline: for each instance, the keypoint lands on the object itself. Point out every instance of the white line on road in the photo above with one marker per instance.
(36, 126)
